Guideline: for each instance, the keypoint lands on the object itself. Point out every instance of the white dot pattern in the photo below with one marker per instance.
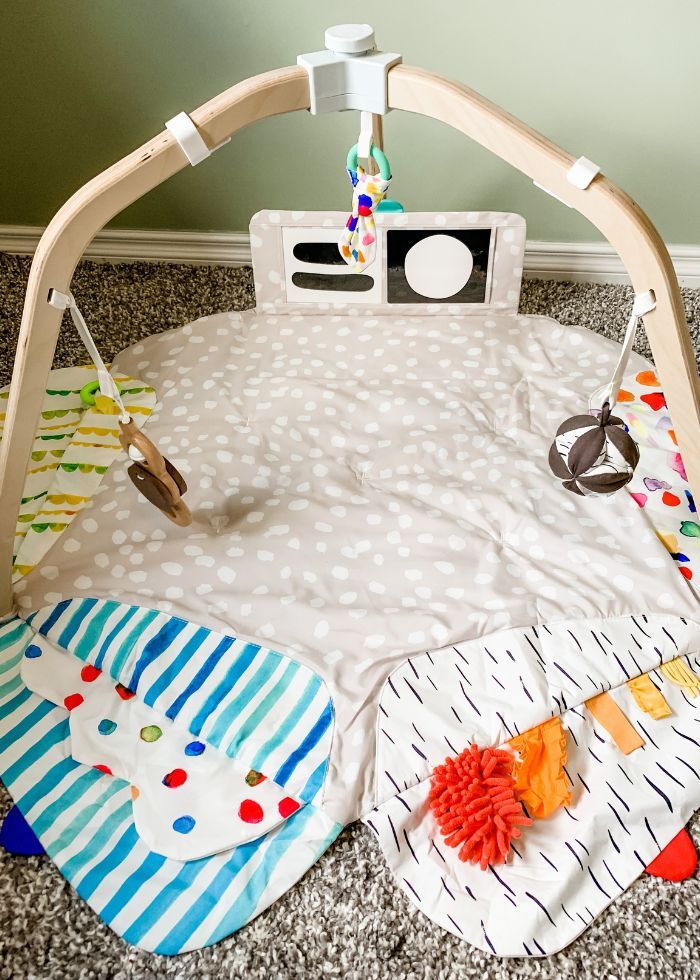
(364, 488)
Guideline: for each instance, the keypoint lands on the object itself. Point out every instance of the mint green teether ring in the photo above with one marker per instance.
(377, 155)
(87, 392)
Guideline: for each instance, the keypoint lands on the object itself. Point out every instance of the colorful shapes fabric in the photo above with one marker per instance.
(648, 697)
(610, 715)
(540, 778)
(131, 741)
(358, 242)
(143, 651)
(473, 801)
(86, 822)
(86, 443)
(659, 485)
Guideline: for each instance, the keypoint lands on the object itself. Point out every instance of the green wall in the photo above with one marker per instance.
(85, 81)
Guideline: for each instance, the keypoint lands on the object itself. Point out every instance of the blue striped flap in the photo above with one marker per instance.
(269, 711)
(84, 820)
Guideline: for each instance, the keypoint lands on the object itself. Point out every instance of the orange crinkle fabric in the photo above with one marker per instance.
(540, 780)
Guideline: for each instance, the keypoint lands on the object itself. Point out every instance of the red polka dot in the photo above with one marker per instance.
(175, 778)
(686, 572)
(670, 499)
(73, 701)
(124, 693)
(105, 769)
(288, 806)
(250, 811)
(89, 673)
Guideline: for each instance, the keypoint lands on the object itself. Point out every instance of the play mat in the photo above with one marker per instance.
(383, 588)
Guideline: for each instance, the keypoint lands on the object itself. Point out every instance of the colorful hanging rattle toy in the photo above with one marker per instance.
(358, 242)
(594, 455)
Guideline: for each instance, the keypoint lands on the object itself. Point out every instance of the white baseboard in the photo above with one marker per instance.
(577, 261)
(598, 262)
(140, 245)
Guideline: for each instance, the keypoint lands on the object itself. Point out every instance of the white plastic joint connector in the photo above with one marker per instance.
(350, 73)
(582, 172)
(644, 303)
(59, 301)
(190, 139)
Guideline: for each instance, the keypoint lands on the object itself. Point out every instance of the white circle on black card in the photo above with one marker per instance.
(438, 266)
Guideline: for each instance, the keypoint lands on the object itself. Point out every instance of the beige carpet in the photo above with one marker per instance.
(346, 918)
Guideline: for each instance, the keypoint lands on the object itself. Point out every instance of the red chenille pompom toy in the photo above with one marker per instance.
(473, 800)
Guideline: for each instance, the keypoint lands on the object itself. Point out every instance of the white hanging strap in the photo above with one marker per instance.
(366, 137)
(108, 386)
(643, 303)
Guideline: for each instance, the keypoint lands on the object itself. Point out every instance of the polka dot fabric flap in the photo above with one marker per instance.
(87, 819)
(190, 799)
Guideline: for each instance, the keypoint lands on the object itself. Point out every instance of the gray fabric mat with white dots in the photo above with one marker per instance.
(346, 918)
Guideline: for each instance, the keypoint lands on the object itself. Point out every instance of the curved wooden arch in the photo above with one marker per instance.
(615, 214)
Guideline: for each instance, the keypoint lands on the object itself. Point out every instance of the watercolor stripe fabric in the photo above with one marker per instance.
(271, 713)
(190, 800)
(84, 819)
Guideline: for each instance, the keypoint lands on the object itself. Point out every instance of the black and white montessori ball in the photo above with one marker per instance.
(593, 455)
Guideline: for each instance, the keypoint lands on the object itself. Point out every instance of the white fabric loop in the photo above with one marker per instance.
(108, 386)
(643, 303)
(365, 139)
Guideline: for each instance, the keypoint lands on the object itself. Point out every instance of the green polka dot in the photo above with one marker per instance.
(151, 733)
